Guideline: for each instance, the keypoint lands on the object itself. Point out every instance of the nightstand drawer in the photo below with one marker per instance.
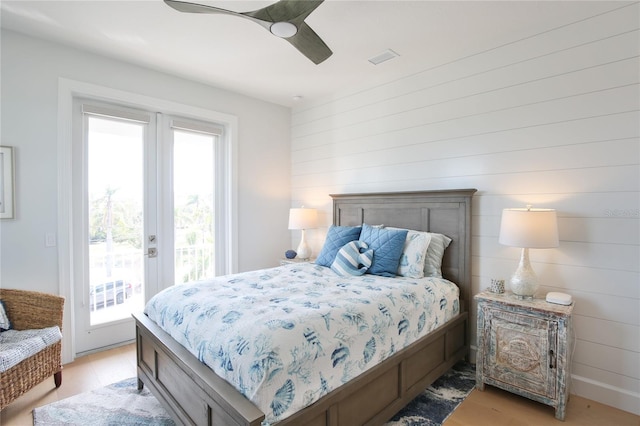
(521, 351)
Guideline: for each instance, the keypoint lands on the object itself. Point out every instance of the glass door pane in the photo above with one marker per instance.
(115, 171)
(193, 195)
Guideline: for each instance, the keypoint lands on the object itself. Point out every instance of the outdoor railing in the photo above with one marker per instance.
(192, 263)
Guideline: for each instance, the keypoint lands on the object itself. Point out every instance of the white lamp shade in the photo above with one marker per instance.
(529, 228)
(303, 218)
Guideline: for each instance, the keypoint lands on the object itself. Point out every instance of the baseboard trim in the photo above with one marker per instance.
(603, 393)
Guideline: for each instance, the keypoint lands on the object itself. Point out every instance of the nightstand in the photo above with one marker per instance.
(524, 348)
(296, 260)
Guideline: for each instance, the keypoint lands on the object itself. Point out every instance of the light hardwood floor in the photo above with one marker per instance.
(492, 407)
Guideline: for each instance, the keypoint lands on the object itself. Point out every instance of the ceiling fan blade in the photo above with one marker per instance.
(292, 12)
(310, 44)
(286, 10)
(182, 6)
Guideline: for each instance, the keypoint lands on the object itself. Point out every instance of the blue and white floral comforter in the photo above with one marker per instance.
(286, 336)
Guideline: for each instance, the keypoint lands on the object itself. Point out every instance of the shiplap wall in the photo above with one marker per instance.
(550, 120)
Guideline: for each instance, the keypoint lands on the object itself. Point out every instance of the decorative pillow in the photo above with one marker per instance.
(337, 237)
(435, 252)
(387, 245)
(414, 253)
(353, 259)
(5, 323)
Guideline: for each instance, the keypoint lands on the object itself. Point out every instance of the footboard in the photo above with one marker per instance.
(375, 396)
(193, 394)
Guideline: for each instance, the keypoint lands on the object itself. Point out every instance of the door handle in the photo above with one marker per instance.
(152, 252)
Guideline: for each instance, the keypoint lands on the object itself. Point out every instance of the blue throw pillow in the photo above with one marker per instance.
(353, 259)
(337, 237)
(387, 245)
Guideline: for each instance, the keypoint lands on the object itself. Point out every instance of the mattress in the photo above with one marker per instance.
(284, 337)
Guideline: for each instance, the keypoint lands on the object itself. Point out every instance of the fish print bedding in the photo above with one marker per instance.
(284, 337)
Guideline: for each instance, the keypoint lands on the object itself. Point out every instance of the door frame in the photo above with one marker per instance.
(67, 91)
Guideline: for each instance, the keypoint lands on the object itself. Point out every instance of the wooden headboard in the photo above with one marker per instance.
(446, 212)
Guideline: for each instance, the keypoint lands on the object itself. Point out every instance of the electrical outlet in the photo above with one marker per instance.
(49, 239)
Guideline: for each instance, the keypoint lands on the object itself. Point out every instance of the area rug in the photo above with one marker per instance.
(122, 404)
(117, 404)
(437, 402)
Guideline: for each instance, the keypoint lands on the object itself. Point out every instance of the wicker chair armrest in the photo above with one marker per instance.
(32, 309)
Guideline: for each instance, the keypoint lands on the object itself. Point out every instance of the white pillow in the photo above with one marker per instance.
(435, 252)
(5, 323)
(414, 253)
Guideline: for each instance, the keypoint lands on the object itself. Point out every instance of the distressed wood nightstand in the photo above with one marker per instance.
(296, 260)
(524, 348)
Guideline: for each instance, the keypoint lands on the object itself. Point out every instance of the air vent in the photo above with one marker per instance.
(383, 57)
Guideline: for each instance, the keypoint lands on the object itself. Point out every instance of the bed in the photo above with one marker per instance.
(194, 394)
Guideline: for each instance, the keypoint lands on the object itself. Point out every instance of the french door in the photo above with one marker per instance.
(144, 209)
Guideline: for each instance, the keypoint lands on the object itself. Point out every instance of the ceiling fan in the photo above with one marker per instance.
(284, 19)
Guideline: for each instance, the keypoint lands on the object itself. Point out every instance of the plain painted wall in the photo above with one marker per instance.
(550, 120)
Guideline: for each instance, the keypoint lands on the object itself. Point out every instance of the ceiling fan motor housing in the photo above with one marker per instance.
(283, 29)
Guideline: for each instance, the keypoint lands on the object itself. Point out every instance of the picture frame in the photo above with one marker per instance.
(7, 192)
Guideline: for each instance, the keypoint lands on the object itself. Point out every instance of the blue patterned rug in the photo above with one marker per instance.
(122, 404)
(437, 402)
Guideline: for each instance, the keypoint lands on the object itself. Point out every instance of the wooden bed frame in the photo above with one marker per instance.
(193, 394)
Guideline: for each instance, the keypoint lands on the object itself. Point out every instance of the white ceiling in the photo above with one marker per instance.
(238, 55)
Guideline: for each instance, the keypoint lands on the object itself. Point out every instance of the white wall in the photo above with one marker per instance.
(551, 120)
(31, 70)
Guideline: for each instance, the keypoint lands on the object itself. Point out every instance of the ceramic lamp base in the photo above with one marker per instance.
(304, 251)
(524, 282)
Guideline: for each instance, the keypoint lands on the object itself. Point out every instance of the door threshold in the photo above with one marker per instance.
(104, 348)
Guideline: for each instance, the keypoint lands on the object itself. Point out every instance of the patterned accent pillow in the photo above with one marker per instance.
(353, 259)
(337, 237)
(435, 252)
(414, 253)
(387, 245)
(5, 323)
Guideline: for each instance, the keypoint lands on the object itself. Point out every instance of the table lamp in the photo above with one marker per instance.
(527, 228)
(303, 219)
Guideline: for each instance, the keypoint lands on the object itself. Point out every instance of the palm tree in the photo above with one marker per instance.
(102, 225)
(114, 221)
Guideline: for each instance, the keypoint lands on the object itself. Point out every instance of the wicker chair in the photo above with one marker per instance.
(31, 310)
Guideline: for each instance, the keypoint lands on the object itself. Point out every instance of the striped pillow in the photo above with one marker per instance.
(354, 258)
(435, 253)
